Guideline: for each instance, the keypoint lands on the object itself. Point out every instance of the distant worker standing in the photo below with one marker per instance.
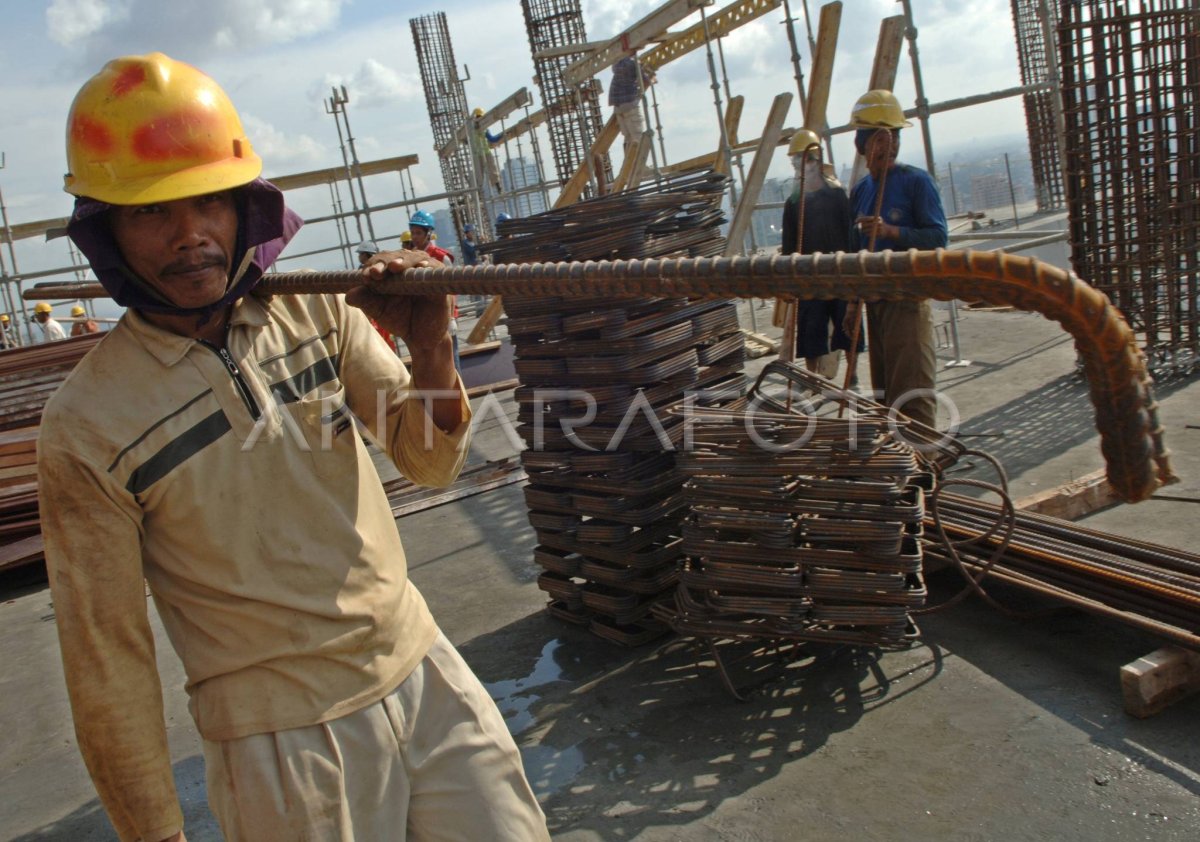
(51, 331)
(6, 337)
(482, 142)
(625, 96)
(909, 215)
(470, 246)
(420, 228)
(819, 332)
(83, 325)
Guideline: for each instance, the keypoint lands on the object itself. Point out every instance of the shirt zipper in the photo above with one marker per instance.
(238, 379)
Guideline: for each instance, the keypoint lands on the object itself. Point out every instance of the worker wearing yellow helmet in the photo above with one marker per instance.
(82, 325)
(220, 463)
(896, 206)
(50, 329)
(823, 227)
(482, 142)
(6, 338)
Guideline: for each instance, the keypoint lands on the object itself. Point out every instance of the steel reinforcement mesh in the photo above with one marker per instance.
(573, 117)
(1039, 106)
(1131, 85)
(447, 104)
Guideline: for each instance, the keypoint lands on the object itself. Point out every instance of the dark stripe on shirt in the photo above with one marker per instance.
(178, 451)
(303, 344)
(154, 427)
(317, 374)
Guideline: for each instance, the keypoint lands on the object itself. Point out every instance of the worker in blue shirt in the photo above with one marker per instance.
(903, 363)
(470, 246)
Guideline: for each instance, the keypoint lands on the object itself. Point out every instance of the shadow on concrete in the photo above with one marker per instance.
(1068, 663)
(616, 741)
(1048, 420)
(89, 823)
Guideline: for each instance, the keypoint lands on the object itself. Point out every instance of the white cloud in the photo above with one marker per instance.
(373, 85)
(282, 151)
(68, 21)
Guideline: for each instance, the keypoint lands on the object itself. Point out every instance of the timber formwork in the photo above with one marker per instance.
(1131, 90)
(447, 104)
(1040, 118)
(573, 117)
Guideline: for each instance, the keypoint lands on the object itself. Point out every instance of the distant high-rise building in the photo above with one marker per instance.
(516, 174)
(989, 191)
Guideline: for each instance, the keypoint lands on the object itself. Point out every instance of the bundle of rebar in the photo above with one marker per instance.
(682, 216)
(599, 379)
(799, 528)
(1148, 586)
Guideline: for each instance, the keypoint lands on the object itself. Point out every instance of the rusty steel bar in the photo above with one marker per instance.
(1121, 389)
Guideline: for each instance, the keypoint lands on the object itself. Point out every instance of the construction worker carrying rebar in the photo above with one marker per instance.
(209, 447)
(816, 218)
(629, 80)
(896, 206)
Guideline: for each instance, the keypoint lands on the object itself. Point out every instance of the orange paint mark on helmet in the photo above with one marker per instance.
(184, 134)
(91, 134)
(128, 79)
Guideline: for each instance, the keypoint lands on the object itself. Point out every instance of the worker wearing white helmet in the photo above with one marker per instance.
(51, 329)
(208, 446)
(899, 207)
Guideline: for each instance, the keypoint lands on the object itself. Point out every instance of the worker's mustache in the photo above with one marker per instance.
(191, 264)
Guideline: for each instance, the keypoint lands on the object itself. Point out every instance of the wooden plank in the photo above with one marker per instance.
(630, 175)
(487, 321)
(757, 174)
(733, 118)
(25, 551)
(633, 38)
(821, 75)
(1159, 679)
(1072, 500)
(720, 23)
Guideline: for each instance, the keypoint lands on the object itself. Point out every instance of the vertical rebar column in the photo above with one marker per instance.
(573, 118)
(1043, 112)
(447, 103)
(1131, 94)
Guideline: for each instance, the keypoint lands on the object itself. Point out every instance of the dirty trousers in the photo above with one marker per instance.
(629, 120)
(433, 760)
(902, 357)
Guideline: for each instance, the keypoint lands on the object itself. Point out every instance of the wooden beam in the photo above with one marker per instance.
(733, 118)
(821, 75)
(635, 162)
(569, 49)
(757, 174)
(1159, 679)
(633, 38)
(720, 24)
(333, 174)
(1072, 500)
(517, 99)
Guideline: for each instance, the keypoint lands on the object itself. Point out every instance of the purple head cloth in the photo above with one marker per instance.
(265, 224)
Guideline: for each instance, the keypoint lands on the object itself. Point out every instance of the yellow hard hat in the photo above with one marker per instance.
(41, 307)
(406, 236)
(478, 112)
(878, 109)
(4, 318)
(151, 129)
(78, 311)
(802, 139)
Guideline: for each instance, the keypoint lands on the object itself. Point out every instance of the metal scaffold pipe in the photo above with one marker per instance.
(1121, 389)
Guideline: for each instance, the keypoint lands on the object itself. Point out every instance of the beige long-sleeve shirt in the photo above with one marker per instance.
(241, 490)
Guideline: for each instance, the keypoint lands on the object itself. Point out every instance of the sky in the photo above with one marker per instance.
(279, 59)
